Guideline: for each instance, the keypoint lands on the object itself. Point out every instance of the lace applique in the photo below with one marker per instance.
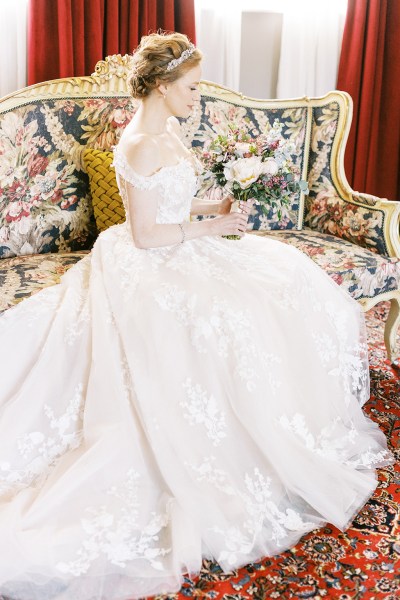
(202, 409)
(140, 182)
(330, 444)
(66, 435)
(231, 328)
(327, 443)
(327, 349)
(258, 507)
(352, 369)
(177, 185)
(119, 536)
(187, 262)
(370, 458)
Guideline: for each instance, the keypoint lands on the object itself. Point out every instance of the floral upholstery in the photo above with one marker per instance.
(22, 276)
(326, 211)
(44, 200)
(362, 273)
(212, 119)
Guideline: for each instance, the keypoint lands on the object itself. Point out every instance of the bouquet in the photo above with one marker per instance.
(254, 168)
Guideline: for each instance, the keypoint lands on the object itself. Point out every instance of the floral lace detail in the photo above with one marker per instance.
(352, 357)
(66, 436)
(258, 507)
(202, 409)
(79, 303)
(119, 536)
(327, 349)
(330, 444)
(370, 458)
(231, 328)
(327, 443)
(177, 184)
(188, 262)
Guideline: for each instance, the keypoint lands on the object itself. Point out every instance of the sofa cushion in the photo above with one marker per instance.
(362, 273)
(44, 194)
(107, 203)
(22, 276)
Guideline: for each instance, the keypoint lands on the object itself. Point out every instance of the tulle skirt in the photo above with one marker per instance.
(160, 406)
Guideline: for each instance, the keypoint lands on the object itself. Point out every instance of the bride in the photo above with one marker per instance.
(178, 395)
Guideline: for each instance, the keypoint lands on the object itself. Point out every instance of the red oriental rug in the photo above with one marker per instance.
(363, 562)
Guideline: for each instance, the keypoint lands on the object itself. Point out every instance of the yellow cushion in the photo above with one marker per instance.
(107, 203)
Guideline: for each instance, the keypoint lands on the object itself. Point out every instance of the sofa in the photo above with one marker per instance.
(48, 221)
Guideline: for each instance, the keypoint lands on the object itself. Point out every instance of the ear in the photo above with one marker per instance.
(163, 89)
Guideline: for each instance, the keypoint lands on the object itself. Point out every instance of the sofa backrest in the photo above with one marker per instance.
(44, 193)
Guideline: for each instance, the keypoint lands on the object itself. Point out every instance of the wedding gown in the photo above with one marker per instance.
(160, 405)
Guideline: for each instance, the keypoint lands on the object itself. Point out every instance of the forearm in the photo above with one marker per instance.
(160, 235)
(204, 207)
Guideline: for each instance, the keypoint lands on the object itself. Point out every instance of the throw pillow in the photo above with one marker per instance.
(107, 203)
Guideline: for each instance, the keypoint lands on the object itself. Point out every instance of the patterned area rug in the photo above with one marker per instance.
(363, 562)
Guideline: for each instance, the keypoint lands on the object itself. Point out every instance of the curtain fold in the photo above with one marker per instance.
(369, 70)
(310, 47)
(67, 37)
(13, 25)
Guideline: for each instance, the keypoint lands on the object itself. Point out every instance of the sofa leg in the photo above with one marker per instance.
(391, 327)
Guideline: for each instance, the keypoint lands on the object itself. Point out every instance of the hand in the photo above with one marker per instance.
(226, 205)
(231, 224)
(246, 206)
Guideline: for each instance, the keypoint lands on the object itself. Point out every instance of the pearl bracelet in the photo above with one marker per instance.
(183, 232)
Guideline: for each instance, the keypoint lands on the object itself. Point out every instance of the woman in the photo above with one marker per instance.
(177, 395)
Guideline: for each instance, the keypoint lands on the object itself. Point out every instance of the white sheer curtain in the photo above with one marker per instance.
(218, 35)
(310, 47)
(292, 50)
(13, 46)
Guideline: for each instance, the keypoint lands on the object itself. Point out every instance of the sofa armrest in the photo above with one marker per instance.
(391, 218)
(332, 206)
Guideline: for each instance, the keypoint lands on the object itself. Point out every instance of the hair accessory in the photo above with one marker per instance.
(184, 56)
(183, 232)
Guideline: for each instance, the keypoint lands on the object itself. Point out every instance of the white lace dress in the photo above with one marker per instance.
(161, 405)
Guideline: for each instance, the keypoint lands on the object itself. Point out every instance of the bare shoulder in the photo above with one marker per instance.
(175, 126)
(142, 153)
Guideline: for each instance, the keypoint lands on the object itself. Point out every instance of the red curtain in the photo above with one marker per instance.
(67, 37)
(369, 70)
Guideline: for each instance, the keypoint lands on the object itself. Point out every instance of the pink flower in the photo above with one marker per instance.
(17, 210)
(67, 202)
(37, 164)
(17, 190)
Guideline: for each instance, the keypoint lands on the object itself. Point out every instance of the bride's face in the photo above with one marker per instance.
(183, 94)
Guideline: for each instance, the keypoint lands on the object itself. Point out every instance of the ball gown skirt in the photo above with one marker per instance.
(162, 405)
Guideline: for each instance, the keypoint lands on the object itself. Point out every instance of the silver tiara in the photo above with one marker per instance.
(184, 56)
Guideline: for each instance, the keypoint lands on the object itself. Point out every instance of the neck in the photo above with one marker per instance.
(153, 115)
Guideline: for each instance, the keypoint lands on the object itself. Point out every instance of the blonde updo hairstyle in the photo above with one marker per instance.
(151, 58)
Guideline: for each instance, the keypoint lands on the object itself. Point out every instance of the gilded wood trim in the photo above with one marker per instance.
(392, 324)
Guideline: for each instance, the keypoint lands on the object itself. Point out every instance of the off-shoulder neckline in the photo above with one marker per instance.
(182, 160)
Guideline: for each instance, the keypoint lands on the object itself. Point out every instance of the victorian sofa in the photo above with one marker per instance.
(46, 213)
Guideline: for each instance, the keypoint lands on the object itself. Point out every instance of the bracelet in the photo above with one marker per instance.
(183, 232)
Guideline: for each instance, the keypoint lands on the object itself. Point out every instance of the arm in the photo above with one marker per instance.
(223, 207)
(144, 158)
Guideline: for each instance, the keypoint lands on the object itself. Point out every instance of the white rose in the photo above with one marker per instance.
(244, 170)
(270, 166)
